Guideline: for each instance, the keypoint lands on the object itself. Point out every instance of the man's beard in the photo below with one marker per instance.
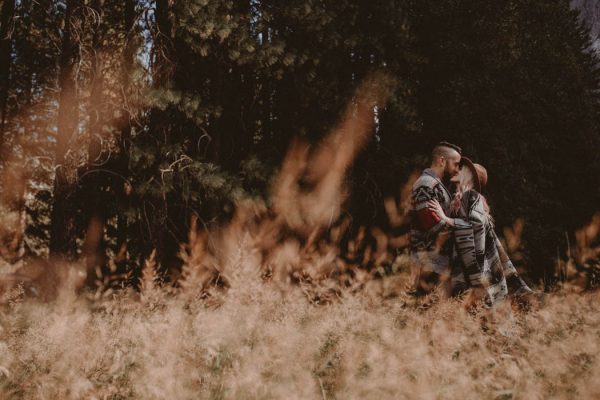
(446, 178)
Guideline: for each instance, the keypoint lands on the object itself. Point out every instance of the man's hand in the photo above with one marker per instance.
(436, 207)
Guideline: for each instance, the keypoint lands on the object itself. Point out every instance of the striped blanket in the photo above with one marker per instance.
(430, 248)
(478, 253)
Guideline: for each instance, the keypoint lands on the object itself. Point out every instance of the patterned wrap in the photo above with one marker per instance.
(479, 254)
(427, 229)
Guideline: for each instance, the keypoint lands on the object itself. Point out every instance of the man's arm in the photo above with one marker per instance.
(427, 218)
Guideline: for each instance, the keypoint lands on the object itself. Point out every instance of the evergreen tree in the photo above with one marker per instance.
(29, 120)
(63, 230)
(160, 110)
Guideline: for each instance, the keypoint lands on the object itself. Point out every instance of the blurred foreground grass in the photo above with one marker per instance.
(262, 342)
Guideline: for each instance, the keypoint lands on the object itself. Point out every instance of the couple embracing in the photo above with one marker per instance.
(453, 242)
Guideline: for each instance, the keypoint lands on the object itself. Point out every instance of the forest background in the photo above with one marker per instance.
(122, 120)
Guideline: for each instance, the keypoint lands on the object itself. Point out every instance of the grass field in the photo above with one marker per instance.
(263, 341)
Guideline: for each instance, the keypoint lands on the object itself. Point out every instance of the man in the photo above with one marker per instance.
(429, 247)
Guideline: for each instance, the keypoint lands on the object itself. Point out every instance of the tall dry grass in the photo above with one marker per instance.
(262, 342)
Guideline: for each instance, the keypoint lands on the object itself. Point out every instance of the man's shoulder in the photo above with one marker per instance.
(426, 187)
(425, 180)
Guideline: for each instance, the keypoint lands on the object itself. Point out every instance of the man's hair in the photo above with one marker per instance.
(444, 149)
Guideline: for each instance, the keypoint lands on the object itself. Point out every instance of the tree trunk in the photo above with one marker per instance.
(125, 134)
(163, 45)
(63, 224)
(6, 19)
(161, 125)
(93, 249)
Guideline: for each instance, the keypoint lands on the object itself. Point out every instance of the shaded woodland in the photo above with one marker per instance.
(122, 120)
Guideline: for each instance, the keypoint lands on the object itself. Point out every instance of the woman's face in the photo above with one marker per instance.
(464, 178)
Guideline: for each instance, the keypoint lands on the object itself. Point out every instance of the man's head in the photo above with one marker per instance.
(445, 160)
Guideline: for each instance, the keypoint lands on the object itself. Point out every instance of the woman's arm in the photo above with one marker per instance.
(468, 242)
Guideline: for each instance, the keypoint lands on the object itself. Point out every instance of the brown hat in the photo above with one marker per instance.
(480, 176)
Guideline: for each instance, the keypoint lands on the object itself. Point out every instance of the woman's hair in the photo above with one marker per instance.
(465, 179)
(464, 184)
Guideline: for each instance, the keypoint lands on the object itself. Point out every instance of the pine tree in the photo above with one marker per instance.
(126, 123)
(31, 116)
(64, 230)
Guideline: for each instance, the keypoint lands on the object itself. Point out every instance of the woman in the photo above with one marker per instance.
(478, 258)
